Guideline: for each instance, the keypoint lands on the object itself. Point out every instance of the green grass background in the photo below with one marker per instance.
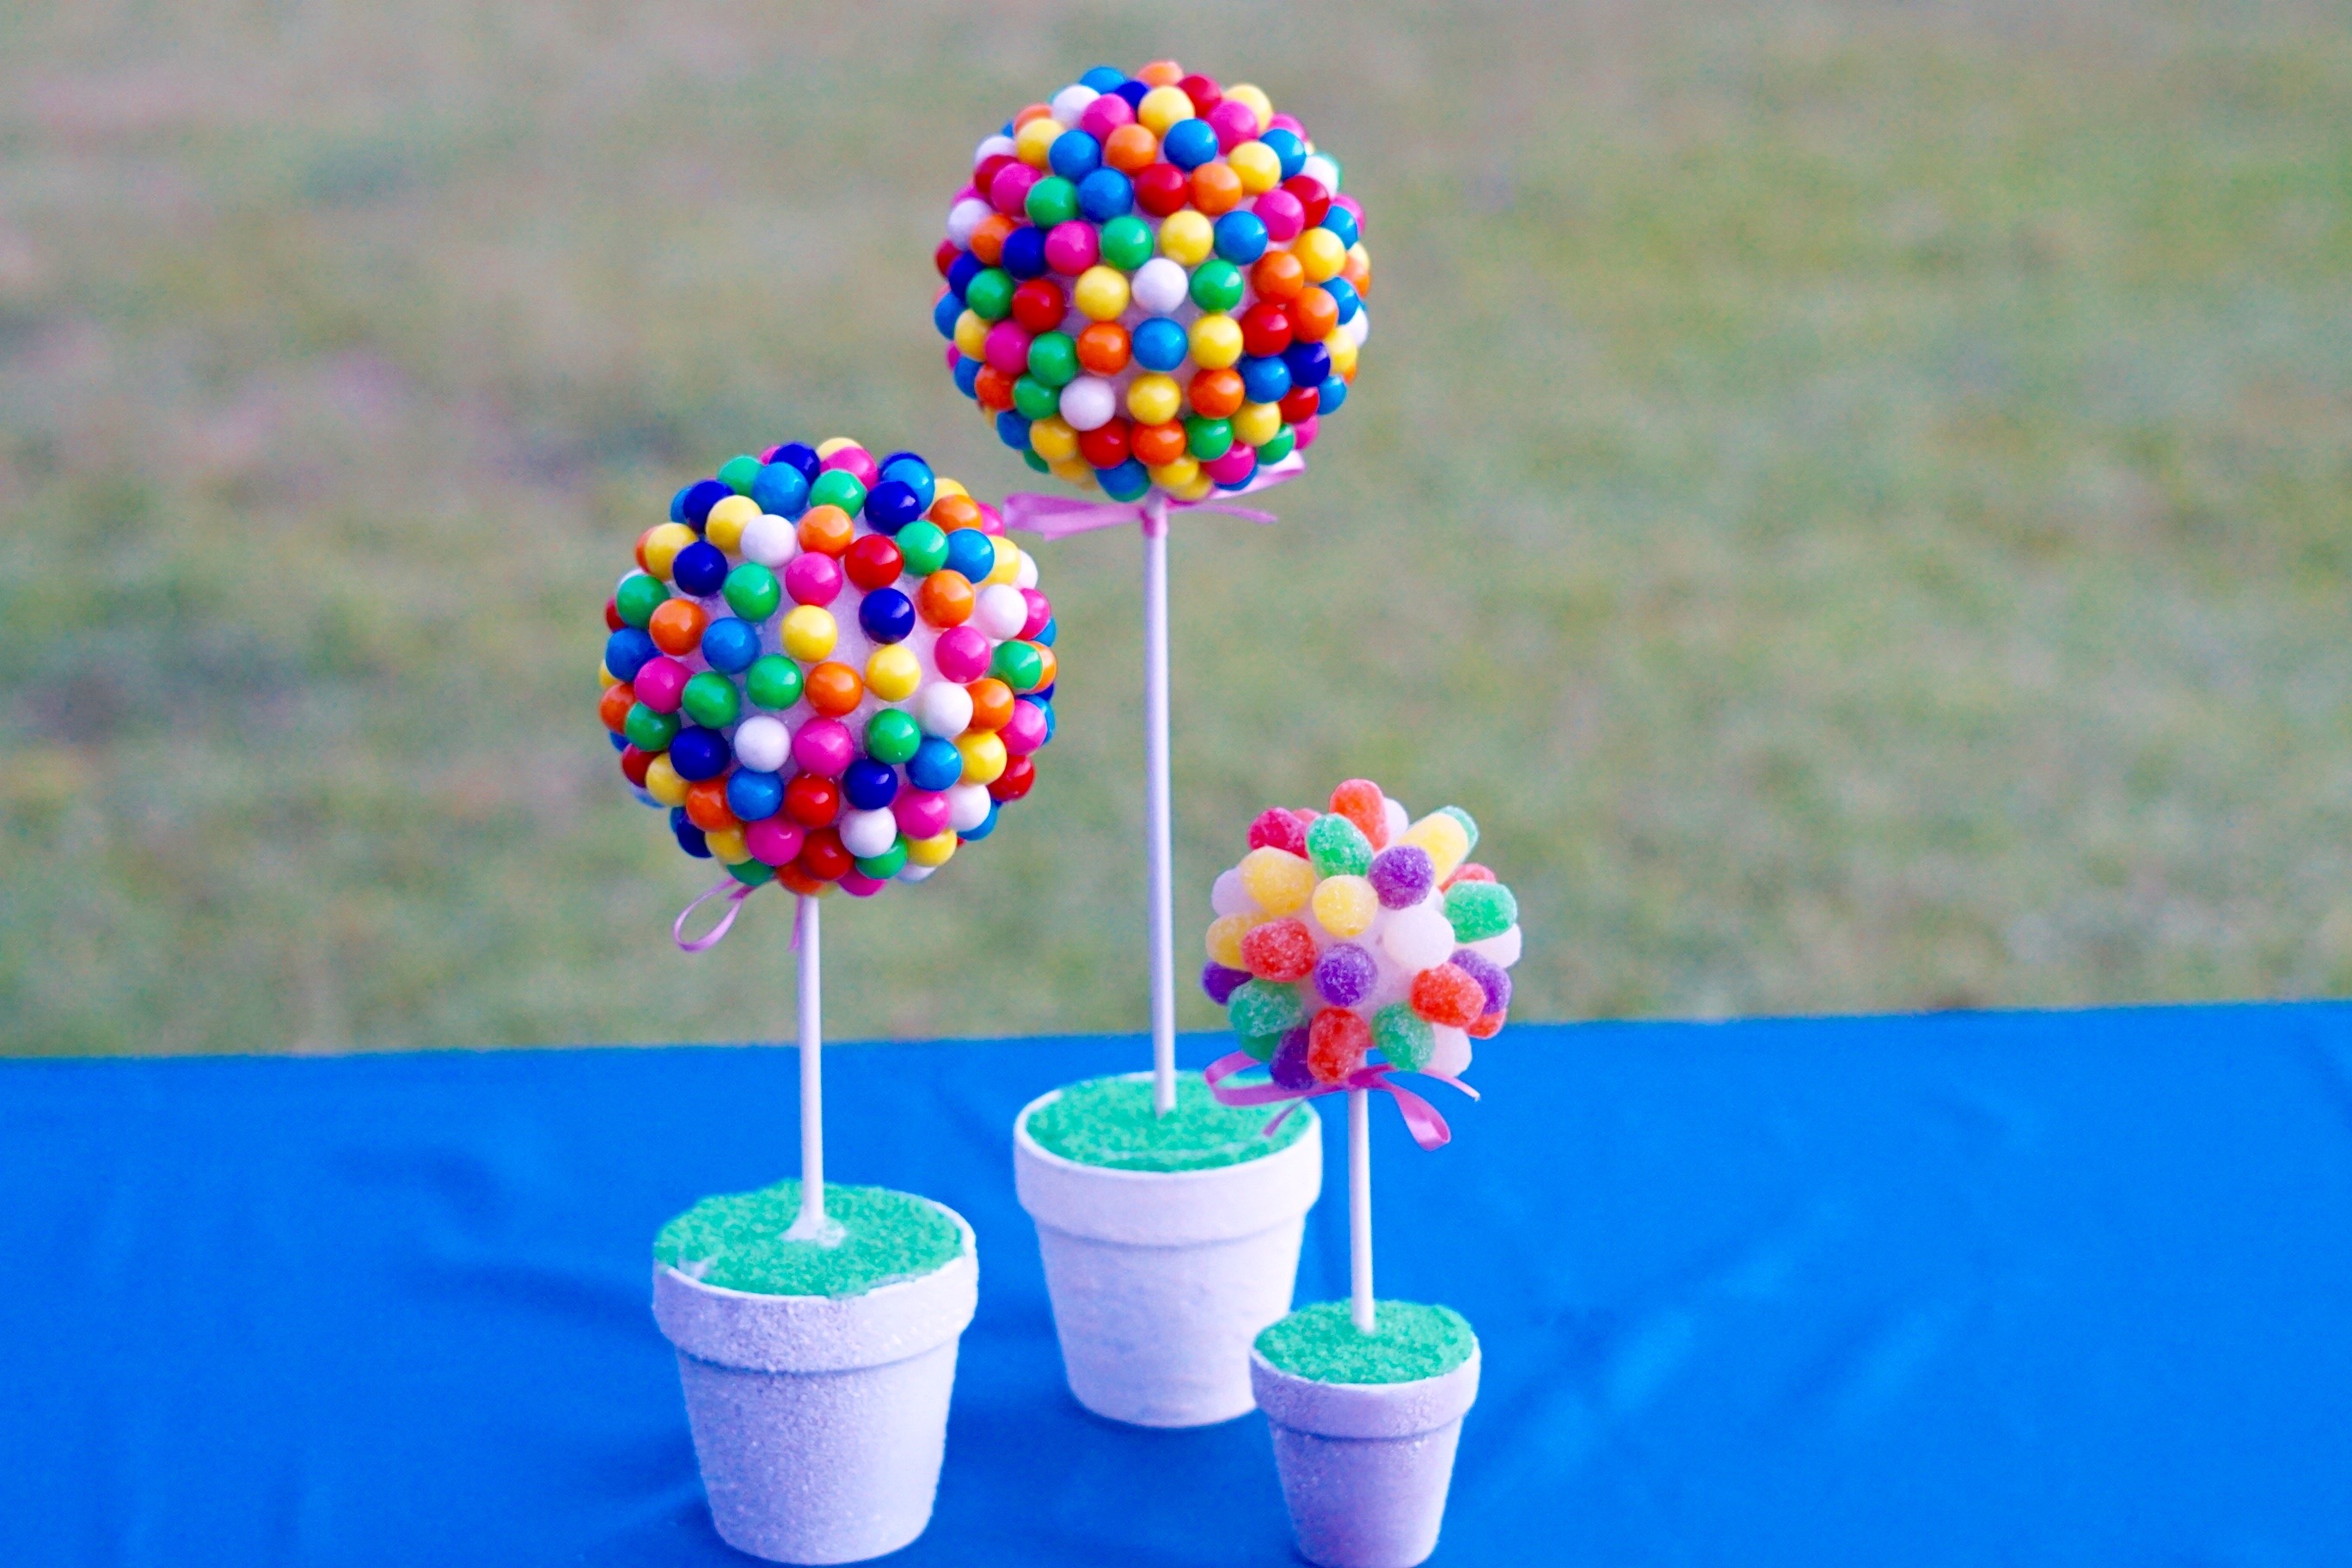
(1854, 500)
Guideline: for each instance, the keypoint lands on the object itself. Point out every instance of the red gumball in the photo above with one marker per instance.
(1107, 445)
(1299, 404)
(634, 763)
(873, 561)
(945, 255)
(1204, 93)
(812, 799)
(1266, 330)
(1039, 305)
(1311, 195)
(1020, 775)
(1278, 829)
(1489, 1025)
(824, 857)
(1162, 189)
(613, 622)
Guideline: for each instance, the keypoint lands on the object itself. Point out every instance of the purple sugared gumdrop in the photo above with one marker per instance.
(1345, 974)
(1289, 1069)
(1491, 976)
(1401, 875)
(1221, 982)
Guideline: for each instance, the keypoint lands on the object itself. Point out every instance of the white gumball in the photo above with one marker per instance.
(866, 834)
(1228, 897)
(1089, 403)
(1418, 938)
(761, 744)
(1502, 948)
(910, 872)
(1026, 575)
(1358, 326)
(964, 218)
(1322, 171)
(944, 708)
(1001, 611)
(997, 146)
(1160, 286)
(967, 806)
(1071, 102)
(770, 541)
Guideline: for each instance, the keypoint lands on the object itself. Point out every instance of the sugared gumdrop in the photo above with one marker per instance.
(1446, 995)
(1360, 802)
(1401, 875)
(1337, 1042)
(1281, 949)
(1277, 829)
(1403, 1038)
(1221, 982)
(1345, 974)
(1288, 1068)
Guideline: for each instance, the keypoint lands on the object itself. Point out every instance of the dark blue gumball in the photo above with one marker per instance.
(700, 569)
(887, 615)
(915, 474)
(1128, 481)
(798, 455)
(1105, 194)
(1104, 79)
(870, 785)
(780, 490)
(1025, 252)
(1333, 393)
(689, 837)
(892, 505)
(987, 824)
(1133, 91)
(945, 313)
(970, 552)
(1188, 143)
(626, 651)
(751, 797)
(698, 754)
(1265, 378)
(967, 376)
(730, 644)
(619, 741)
(936, 765)
(1342, 222)
(963, 270)
(701, 497)
(1013, 430)
(1310, 364)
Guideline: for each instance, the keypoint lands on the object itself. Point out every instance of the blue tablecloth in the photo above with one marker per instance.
(1966, 1289)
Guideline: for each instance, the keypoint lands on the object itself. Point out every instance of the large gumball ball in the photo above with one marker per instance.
(1360, 930)
(1153, 283)
(828, 667)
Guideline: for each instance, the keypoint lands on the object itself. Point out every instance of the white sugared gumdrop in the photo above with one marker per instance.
(1159, 286)
(1502, 948)
(1393, 813)
(1089, 403)
(866, 834)
(762, 743)
(1001, 611)
(770, 541)
(1419, 937)
(1228, 897)
(1358, 326)
(944, 708)
(910, 872)
(1451, 1054)
(994, 146)
(964, 216)
(967, 807)
(1071, 102)
(1322, 171)
(1026, 575)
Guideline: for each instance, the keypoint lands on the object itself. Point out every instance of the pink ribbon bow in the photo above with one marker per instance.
(736, 893)
(1058, 517)
(1421, 1118)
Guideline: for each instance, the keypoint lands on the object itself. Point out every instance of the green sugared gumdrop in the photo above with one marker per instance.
(1337, 846)
(1261, 1048)
(1469, 824)
(1262, 1007)
(1478, 910)
(1403, 1036)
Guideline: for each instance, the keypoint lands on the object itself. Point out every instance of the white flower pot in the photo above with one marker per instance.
(1161, 1279)
(1365, 1465)
(820, 1421)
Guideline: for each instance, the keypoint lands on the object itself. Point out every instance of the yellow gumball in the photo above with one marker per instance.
(1278, 880)
(1216, 341)
(1225, 938)
(1072, 471)
(1195, 488)
(892, 672)
(1259, 166)
(971, 340)
(1321, 252)
(1187, 236)
(1034, 142)
(1100, 294)
(1052, 440)
(727, 846)
(1343, 352)
(1259, 104)
(1008, 561)
(1443, 838)
(933, 851)
(832, 443)
(724, 526)
(662, 782)
(605, 679)
(1154, 399)
(943, 486)
(809, 633)
(1161, 108)
(1255, 424)
(983, 756)
(662, 545)
(1173, 477)
(1345, 905)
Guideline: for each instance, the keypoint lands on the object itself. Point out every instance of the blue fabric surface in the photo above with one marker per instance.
(1966, 1289)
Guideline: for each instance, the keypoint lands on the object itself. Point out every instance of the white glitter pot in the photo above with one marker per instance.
(1161, 1279)
(1365, 1465)
(820, 1421)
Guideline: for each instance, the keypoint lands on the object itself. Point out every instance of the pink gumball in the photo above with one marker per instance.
(1104, 115)
(855, 461)
(1071, 248)
(812, 578)
(774, 840)
(920, 812)
(824, 747)
(1025, 731)
(1306, 428)
(1283, 216)
(991, 523)
(1008, 347)
(961, 654)
(1041, 610)
(955, 355)
(660, 681)
(1235, 123)
(858, 885)
(1009, 192)
(1355, 209)
(1286, 122)
(1233, 467)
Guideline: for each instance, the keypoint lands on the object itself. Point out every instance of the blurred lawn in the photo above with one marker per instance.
(1854, 500)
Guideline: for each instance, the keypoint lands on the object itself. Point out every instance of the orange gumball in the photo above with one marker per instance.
(1156, 446)
(833, 689)
(1161, 73)
(1357, 269)
(1131, 149)
(945, 599)
(992, 704)
(994, 389)
(1215, 394)
(799, 881)
(1216, 188)
(1312, 315)
(988, 236)
(951, 512)
(826, 530)
(1278, 276)
(1050, 667)
(706, 806)
(676, 627)
(1035, 111)
(614, 705)
(1104, 348)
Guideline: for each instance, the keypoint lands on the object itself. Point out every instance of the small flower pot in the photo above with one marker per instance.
(1161, 1279)
(1365, 1466)
(820, 1421)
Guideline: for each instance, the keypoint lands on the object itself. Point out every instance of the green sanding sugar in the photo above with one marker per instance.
(1409, 1342)
(1108, 1121)
(736, 1240)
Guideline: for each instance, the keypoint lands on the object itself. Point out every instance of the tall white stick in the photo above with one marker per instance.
(1158, 829)
(810, 1224)
(1359, 1208)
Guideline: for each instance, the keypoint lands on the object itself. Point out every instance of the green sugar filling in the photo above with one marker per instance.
(1409, 1342)
(736, 1240)
(1108, 1121)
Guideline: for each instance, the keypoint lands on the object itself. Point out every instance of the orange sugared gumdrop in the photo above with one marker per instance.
(1359, 800)
(1447, 994)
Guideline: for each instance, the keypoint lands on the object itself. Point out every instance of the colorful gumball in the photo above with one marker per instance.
(1153, 287)
(818, 651)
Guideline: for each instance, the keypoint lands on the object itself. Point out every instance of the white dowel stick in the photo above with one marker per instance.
(1359, 1208)
(810, 1224)
(1157, 810)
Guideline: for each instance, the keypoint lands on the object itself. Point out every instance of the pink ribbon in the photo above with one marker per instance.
(1058, 517)
(736, 893)
(1421, 1118)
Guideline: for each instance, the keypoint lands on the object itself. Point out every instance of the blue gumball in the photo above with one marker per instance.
(987, 825)
(1159, 344)
(730, 644)
(1025, 252)
(753, 795)
(628, 651)
(781, 490)
(1105, 194)
(936, 765)
(689, 837)
(972, 553)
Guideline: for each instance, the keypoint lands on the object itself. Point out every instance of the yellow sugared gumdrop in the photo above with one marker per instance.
(1345, 905)
(1280, 881)
(1442, 837)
